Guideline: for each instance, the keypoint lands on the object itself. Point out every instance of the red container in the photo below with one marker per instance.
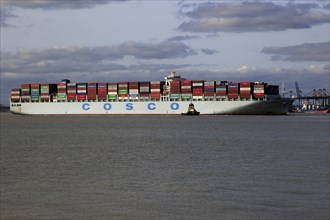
(259, 91)
(102, 97)
(233, 95)
(185, 91)
(144, 95)
(186, 82)
(81, 97)
(91, 97)
(102, 91)
(197, 91)
(134, 85)
(123, 96)
(209, 94)
(155, 95)
(72, 96)
(35, 86)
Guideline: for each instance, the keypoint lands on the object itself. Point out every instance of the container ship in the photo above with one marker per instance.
(170, 97)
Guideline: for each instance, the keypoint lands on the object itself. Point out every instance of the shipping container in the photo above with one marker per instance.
(102, 97)
(245, 90)
(259, 90)
(233, 90)
(25, 98)
(112, 97)
(44, 98)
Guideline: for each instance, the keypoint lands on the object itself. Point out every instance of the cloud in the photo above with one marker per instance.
(56, 4)
(251, 17)
(6, 13)
(209, 51)
(303, 52)
(181, 38)
(88, 59)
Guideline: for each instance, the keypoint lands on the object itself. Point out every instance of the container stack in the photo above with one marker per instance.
(25, 93)
(245, 89)
(35, 92)
(72, 91)
(102, 91)
(144, 90)
(233, 90)
(15, 95)
(197, 89)
(155, 90)
(123, 91)
(271, 90)
(91, 91)
(61, 92)
(112, 91)
(44, 92)
(186, 90)
(221, 89)
(258, 90)
(82, 92)
(134, 90)
(175, 89)
(209, 89)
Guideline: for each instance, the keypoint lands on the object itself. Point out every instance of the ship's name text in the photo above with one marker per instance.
(130, 106)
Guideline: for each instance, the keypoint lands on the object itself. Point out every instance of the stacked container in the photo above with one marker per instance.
(112, 91)
(81, 92)
(175, 89)
(233, 90)
(44, 92)
(186, 89)
(102, 91)
(91, 91)
(144, 90)
(245, 89)
(61, 91)
(35, 92)
(123, 90)
(25, 93)
(209, 89)
(155, 90)
(271, 90)
(221, 89)
(72, 91)
(15, 95)
(134, 90)
(259, 90)
(197, 89)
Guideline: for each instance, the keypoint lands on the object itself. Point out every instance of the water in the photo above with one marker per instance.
(170, 167)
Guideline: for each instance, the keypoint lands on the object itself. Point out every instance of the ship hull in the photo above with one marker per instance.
(248, 107)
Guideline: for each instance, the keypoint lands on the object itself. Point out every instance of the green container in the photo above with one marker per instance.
(44, 87)
(186, 97)
(220, 89)
(112, 97)
(61, 97)
(123, 91)
(175, 96)
(25, 90)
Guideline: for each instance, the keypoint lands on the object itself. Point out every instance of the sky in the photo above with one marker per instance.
(45, 41)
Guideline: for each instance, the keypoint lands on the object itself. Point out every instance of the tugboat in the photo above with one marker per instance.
(191, 110)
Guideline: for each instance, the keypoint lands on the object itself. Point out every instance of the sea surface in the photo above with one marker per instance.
(165, 167)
